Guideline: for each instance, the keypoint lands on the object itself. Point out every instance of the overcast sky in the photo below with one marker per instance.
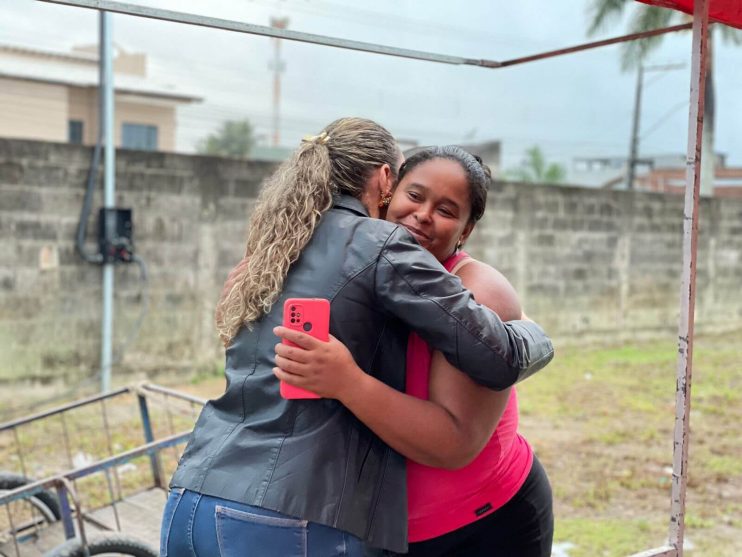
(576, 105)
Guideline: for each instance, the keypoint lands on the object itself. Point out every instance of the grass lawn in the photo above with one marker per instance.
(600, 420)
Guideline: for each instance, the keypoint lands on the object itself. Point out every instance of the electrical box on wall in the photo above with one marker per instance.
(115, 235)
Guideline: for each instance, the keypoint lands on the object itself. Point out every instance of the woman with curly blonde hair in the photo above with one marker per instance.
(267, 476)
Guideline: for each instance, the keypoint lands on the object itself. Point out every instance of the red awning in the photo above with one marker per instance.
(723, 11)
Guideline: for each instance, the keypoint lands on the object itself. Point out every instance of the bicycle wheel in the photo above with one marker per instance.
(45, 502)
(105, 544)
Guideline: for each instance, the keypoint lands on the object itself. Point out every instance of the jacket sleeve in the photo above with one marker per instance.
(412, 285)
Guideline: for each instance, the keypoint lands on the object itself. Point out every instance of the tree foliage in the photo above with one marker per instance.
(234, 138)
(536, 170)
(604, 13)
(633, 54)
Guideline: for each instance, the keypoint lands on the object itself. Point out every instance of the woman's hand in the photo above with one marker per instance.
(324, 368)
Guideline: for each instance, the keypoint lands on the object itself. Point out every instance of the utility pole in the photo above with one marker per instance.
(631, 163)
(634, 148)
(278, 68)
(106, 121)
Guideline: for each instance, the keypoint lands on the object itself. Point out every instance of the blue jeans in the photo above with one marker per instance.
(195, 525)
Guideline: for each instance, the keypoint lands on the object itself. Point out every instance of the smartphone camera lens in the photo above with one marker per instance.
(293, 308)
(293, 320)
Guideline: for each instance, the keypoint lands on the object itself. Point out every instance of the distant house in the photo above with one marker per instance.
(53, 96)
(660, 173)
(600, 172)
(727, 181)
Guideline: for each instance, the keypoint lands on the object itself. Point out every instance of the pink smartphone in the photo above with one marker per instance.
(311, 316)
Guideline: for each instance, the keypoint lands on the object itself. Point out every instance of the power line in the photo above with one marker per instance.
(662, 119)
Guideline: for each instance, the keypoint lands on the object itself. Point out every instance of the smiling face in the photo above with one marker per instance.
(433, 203)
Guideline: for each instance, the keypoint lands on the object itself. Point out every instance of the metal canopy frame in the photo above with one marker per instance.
(700, 24)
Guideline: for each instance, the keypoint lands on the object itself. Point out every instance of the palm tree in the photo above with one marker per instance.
(534, 169)
(645, 18)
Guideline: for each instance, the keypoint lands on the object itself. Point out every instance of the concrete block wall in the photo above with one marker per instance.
(190, 215)
(606, 264)
(587, 263)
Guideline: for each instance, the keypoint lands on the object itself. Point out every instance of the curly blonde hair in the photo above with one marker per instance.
(290, 205)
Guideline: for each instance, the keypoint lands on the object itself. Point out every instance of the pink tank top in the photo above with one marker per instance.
(441, 501)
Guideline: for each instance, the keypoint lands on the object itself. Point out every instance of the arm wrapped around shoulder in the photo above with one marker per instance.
(530, 345)
(503, 354)
(412, 285)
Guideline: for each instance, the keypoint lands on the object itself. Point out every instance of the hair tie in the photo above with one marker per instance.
(323, 138)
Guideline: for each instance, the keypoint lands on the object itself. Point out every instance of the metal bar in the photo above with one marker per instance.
(147, 449)
(171, 425)
(66, 437)
(78, 513)
(163, 403)
(149, 437)
(64, 503)
(109, 442)
(58, 409)
(688, 281)
(41, 515)
(12, 530)
(143, 387)
(105, 90)
(107, 474)
(19, 451)
(27, 490)
(31, 523)
(595, 44)
(261, 30)
(66, 434)
(231, 25)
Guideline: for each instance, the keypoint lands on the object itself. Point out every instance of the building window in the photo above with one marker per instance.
(74, 132)
(139, 136)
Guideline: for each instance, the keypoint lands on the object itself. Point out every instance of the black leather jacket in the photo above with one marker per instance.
(312, 458)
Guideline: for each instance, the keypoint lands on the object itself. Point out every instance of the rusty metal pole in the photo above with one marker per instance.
(688, 284)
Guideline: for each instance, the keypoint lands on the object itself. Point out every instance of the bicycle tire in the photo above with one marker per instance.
(44, 500)
(105, 544)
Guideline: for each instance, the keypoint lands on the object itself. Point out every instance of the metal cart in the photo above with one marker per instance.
(108, 502)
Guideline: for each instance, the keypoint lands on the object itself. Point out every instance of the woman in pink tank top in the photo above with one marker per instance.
(474, 485)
